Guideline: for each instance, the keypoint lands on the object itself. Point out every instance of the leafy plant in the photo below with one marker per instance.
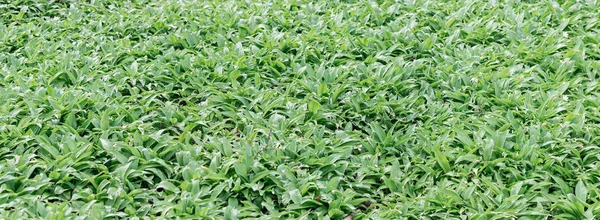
(299, 109)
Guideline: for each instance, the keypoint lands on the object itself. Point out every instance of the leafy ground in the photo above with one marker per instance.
(323, 109)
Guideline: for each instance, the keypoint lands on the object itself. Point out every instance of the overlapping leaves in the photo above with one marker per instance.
(299, 109)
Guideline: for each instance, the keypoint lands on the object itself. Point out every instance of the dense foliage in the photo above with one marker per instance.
(299, 109)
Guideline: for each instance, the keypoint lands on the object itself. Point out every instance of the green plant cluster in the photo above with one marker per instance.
(297, 109)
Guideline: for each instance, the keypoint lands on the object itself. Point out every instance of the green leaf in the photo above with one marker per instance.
(442, 161)
(581, 191)
(336, 214)
(168, 186)
(467, 158)
(323, 89)
(296, 196)
(313, 106)
(104, 121)
(46, 145)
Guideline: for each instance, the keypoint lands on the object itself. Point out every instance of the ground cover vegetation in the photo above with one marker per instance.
(325, 109)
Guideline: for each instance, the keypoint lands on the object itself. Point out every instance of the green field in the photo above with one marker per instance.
(297, 109)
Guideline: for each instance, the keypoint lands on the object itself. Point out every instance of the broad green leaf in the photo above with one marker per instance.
(581, 191)
(313, 106)
(442, 161)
